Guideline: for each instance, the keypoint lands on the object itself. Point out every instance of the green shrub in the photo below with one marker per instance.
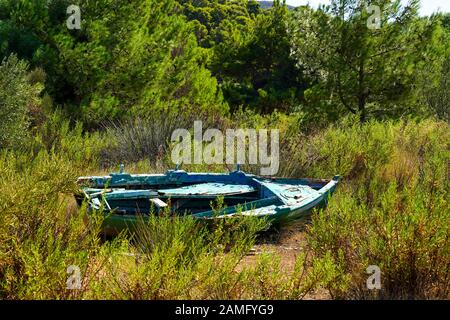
(141, 139)
(178, 257)
(41, 233)
(16, 95)
(392, 210)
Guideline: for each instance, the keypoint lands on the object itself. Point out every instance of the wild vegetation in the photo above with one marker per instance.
(371, 105)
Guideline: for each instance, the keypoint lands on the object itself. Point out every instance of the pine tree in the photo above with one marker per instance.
(356, 64)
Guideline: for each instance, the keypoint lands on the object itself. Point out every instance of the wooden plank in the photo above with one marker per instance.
(207, 190)
(158, 202)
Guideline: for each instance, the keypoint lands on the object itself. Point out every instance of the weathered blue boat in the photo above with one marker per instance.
(126, 197)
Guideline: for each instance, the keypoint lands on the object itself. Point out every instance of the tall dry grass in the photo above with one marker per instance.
(391, 210)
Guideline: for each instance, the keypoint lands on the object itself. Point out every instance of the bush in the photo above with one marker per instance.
(392, 210)
(16, 94)
(139, 139)
(41, 233)
(178, 257)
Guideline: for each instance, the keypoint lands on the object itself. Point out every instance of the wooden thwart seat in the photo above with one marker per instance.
(158, 203)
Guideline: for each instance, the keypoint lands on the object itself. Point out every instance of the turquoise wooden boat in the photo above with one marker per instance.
(125, 197)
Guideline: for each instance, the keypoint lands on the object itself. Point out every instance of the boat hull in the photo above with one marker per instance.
(125, 200)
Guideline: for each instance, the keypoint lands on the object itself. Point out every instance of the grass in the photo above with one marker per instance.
(391, 210)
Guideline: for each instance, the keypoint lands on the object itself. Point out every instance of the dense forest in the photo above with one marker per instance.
(218, 57)
(369, 103)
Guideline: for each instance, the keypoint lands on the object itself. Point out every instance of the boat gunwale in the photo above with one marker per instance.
(175, 177)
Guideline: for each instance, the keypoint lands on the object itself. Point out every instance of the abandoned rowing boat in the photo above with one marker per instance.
(124, 197)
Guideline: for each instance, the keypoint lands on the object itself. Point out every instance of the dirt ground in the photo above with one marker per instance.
(287, 242)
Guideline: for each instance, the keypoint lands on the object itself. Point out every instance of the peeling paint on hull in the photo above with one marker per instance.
(127, 198)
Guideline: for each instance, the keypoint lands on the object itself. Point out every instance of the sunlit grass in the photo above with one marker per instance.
(391, 210)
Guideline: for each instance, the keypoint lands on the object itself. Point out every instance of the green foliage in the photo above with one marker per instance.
(391, 210)
(143, 57)
(17, 94)
(211, 17)
(369, 72)
(149, 67)
(404, 233)
(41, 233)
(438, 96)
(124, 63)
(255, 65)
(433, 85)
